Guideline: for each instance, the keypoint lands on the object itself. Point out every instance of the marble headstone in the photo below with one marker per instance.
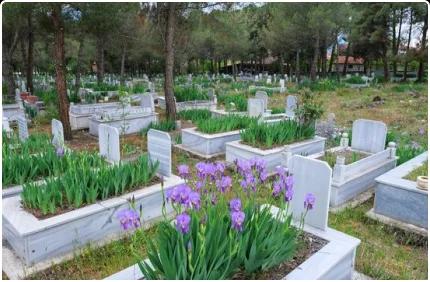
(22, 128)
(255, 107)
(147, 101)
(57, 133)
(282, 85)
(263, 96)
(109, 143)
(291, 106)
(368, 135)
(318, 183)
(160, 149)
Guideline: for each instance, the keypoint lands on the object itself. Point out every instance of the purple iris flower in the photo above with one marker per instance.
(237, 220)
(224, 183)
(199, 185)
(277, 188)
(289, 194)
(194, 199)
(220, 167)
(128, 218)
(183, 223)
(184, 171)
(60, 152)
(309, 201)
(214, 199)
(235, 205)
(289, 182)
(421, 131)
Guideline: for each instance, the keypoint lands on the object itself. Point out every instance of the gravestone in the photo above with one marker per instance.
(318, 183)
(147, 101)
(57, 133)
(109, 143)
(6, 126)
(160, 149)
(256, 78)
(255, 107)
(263, 96)
(269, 81)
(291, 106)
(282, 84)
(368, 135)
(211, 93)
(22, 128)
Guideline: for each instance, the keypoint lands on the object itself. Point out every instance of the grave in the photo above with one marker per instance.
(255, 107)
(351, 180)
(79, 114)
(160, 149)
(290, 106)
(398, 201)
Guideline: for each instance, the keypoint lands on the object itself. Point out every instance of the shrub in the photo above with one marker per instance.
(223, 124)
(309, 110)
(277, 110)
(195, 114)
(265, 135)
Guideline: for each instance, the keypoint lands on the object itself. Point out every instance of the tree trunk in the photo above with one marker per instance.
(386, 69)
(324, 59)
(78, 65)
(330, 63)
(345, 64)
(7, 67)
(405, 70)
(170, 60)
(297, 65)
(123, 65)
(420, 74)
(100, 60)
(281, 64)
(30, 53)
(313, 73)
(60, 78)
(24, 59)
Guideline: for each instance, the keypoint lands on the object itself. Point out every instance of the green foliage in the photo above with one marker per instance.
(206, 253)
(238, 102)
(277, 110)
(30, 111)
(223, 124)
(407, 152)
(164, 125)
(266, 242)
(45, 117)
(189, 93)
(265, 135)
(49, 97)
(101, 87)
(140, 89)
(81, 184)
(195, 114)
(320, 85)
(309, 110)
(269, 90)
(403, 87)
(355, 80)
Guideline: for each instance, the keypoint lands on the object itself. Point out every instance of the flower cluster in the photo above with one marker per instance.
(184, 171)
(283, 184)
(253, 172)
(129, 219)
(236, 214)
(184, 195)
(309, 201)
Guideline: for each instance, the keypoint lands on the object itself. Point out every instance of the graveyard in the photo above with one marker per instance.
(155, 157)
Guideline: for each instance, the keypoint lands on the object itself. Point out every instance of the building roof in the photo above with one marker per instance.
(351, 60)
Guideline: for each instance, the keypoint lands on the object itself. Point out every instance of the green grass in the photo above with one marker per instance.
(277, 110)
(235, 101)
(164, 125)
(384, 252)
(183, 93)
(422, 170)
(355, 80)
(98, 263)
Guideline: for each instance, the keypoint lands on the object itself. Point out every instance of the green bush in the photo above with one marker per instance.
(277, 110)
